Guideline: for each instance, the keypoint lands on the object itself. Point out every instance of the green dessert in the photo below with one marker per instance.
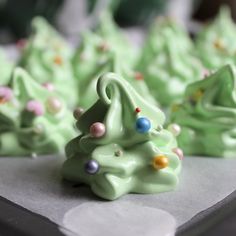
(6, 68)
(122, 147)
(111, 63)
(46, 57)
(207, 115)
(95, 47)
(33, 120)
(115, 39)
(167, 62)
(216, 43)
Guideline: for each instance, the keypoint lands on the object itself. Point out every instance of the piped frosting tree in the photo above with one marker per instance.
(31, 118)
(46, 56)
(216, 42)
(122, 147)
(207, 115)
(95, 47)
(168, 62)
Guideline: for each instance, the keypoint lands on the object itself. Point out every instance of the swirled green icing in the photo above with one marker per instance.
(21, 132)
(131, 170)
(216, 43)
(111, 63)
(208, 115)
(167, 62)
(46, 57)
(6, 68)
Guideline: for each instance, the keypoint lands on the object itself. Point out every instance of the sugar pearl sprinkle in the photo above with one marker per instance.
(138, 76)
(143, 125)
(137, 110)
(179, 153)
(48, 86)
(35, 107)
(97, 130)
(54, 105)
(160, 162)
(5, 94)
(118, 153)
(175, 129)
(78, 112)
(91, 167)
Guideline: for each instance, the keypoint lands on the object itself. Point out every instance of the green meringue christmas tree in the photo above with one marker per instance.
(207, 115)
(216, 43)
(167, 62)
(31, 118)
(47, 57)
(94, 48)
(122, 147)
(6, 68)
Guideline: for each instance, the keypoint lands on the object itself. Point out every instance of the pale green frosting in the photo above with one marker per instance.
(46, 57)
(216, 43)
(94, 48)
(6, 68)
(167, 62)
(132, 171)
(21, 132)
(112, 34)
(111, 63)
(207, 115)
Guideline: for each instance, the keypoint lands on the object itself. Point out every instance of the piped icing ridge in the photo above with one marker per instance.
(46, 56)
(123, 147)
(216, 42)
(168, 61)
(31, 118)
(207, 115)
(112, 63)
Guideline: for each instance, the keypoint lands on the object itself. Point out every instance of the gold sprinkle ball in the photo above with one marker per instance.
(160, 162)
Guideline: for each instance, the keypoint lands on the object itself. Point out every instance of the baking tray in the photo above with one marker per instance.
(33, 188)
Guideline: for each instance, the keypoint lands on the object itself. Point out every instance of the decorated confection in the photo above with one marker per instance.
(216, 43)
(112, 63)
(122, 147)
(207, 116)
(115, 39)
(33, 120)
(5, 69)
(167, 62)
(46, 56)
(94, 48)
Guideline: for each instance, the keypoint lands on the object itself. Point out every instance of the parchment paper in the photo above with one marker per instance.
(36, 185)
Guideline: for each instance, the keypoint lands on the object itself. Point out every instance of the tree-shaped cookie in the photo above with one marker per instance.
(207, 115)
(33, 120)
(216, 43)
(46, 57)
(122, 147)
(167, 62)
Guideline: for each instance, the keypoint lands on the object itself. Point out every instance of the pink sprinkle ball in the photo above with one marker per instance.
(179, 153)
(54, 105)
(6, 94)
(97, 130)
(48, 86)
(36, 107)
